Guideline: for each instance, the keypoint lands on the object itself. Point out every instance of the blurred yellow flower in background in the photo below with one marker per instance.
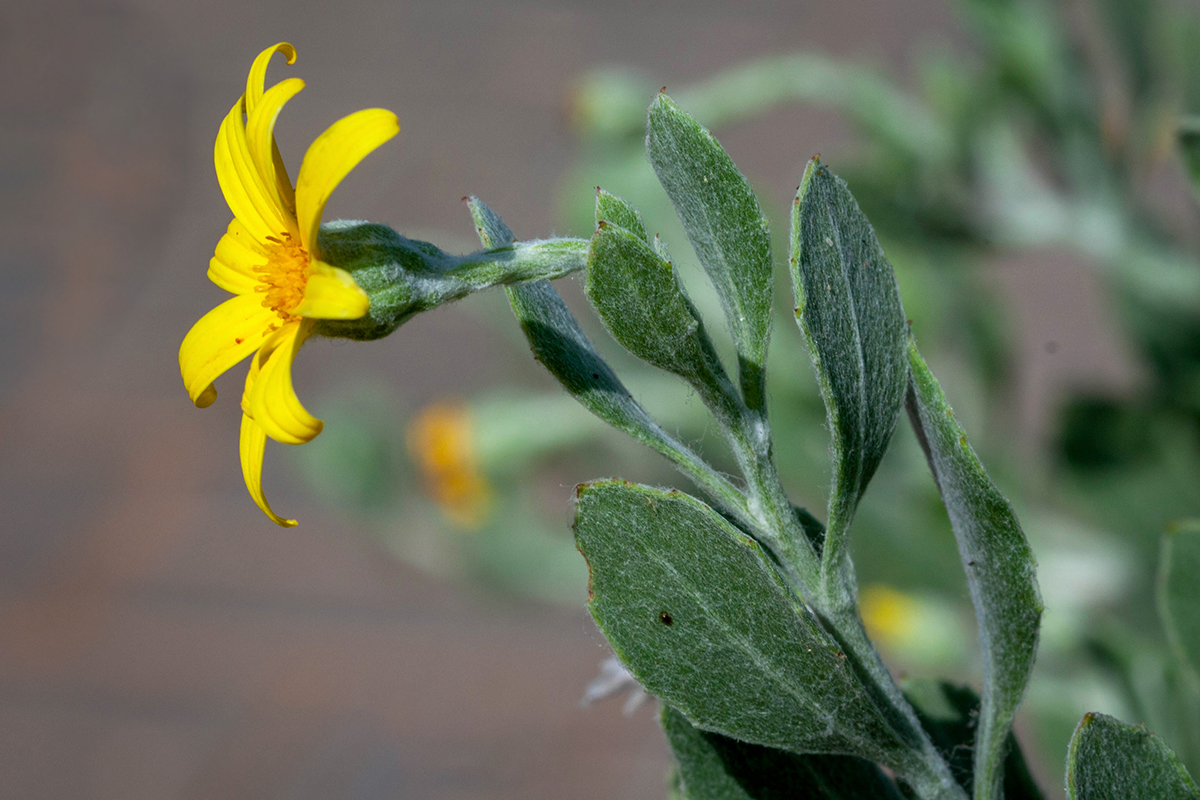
(269, 259)
(892, 618)
(921, 631)
(441, 444)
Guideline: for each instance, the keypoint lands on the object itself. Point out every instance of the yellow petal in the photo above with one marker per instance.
(238, 254)
(222, 338)
(257, 79)
(244, 239)
(271, 399)
(229, 277)
(260, 136)
(207, 397)
(254, 204)
(330, 293)
(252, 443)
(254, 92)
(330, 158)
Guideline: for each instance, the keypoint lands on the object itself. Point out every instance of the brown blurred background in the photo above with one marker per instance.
(159, 638)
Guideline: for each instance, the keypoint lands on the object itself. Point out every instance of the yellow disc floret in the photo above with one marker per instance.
(283, 278)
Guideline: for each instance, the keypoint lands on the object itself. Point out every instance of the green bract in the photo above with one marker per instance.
(403, 277)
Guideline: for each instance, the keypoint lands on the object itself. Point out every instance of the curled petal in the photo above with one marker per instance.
(230, 277)
(260, 137)
(271, 400)
(331, 293)
(330, 158)
(222, 338)
(252, 444)
(256, 205)
(256, 81)
(238, 255)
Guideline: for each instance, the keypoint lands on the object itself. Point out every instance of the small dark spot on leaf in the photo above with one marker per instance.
(238, 340)
(595, 376)
(666, 618)
(970, 563)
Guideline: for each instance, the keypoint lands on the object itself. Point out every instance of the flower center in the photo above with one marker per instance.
(283, 278)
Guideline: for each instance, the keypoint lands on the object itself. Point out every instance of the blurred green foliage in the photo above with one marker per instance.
(1062, 127)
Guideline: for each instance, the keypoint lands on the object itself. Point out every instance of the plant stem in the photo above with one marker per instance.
(835, 604)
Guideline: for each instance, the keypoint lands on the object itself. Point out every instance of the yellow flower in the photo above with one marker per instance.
(269, 258)
(891, 617)
(440, 441)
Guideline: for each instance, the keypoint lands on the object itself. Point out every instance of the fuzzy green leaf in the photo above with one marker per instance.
(726, 226)
(1179, 592)
(848, 306)
(1109, 760)
(949, 713)
(1001, 573)
(491, 229)
(564, 349)
(614, 210)
(700, 617)
(562, 346)
(715, 767)
(638, 297)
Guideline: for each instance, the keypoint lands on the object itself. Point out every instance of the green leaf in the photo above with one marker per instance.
(1109, 760)
(1000, 569)
(848, 306)
(563, 348)
(949, 713)
(491, 229)
(699, 616)
(561, 345)
(727, 229)
(715, 767)
(614, 210)
(1179, 592)
(640, 301)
